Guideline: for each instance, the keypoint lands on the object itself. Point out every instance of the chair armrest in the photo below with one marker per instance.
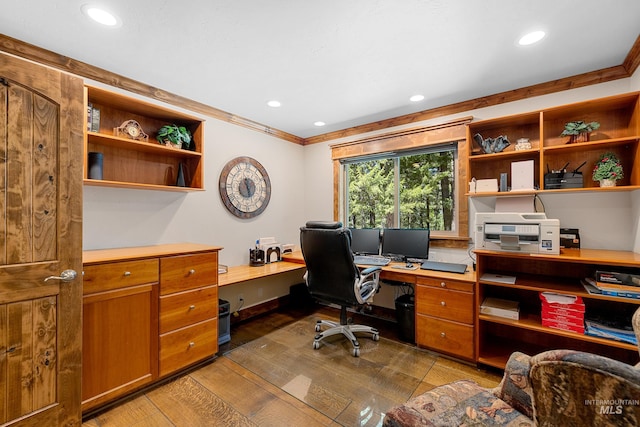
(515, 387)
(370, 270)
(368, 284)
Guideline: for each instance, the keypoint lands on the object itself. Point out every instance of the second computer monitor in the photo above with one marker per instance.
(365, 241)
(407, 244)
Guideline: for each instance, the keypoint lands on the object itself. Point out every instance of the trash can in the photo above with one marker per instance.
(405, 314)
(224, 321)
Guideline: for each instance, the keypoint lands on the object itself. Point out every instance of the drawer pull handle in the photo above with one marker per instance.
(127, 273)
(192, 307)
(442, 303)
(192, 272)
(444, 285)
(442, 334)
(192, 344)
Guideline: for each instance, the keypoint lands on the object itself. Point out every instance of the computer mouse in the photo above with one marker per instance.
(409, 265)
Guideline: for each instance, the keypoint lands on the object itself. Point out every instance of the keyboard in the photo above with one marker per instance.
(449, 267)
(371, 260)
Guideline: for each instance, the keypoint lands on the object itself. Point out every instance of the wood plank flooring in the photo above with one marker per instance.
(252, 383)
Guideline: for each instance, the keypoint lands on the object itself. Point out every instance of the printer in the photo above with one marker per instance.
(511, 231)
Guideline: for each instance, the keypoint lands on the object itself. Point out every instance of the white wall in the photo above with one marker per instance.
(116, 217)
(302, 189)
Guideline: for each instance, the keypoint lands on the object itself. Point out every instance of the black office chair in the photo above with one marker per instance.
(333, 277)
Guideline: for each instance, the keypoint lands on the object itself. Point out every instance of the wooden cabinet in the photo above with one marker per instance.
(619, 132)
(130, 163)
(445, 316)
(188, 310)
(148, 312)
(498, 337)
(120, 322)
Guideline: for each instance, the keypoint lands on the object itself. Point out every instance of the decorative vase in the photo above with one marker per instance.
(180, 181)
(607, 183)
(95, 165)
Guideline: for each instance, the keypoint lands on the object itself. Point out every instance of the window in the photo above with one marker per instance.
(414, 189)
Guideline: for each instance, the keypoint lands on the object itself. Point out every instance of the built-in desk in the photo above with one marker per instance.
(444, 307)
(244, 273)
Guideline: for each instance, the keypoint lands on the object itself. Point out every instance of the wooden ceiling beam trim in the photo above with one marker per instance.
(580, 80)
(632, 61)
(81, 69)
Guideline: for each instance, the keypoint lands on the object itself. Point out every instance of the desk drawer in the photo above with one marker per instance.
(181, 273)
(186, 308)
(456, 285)
(116, 275)
(451, 305)
(185, 346)
(448, 337)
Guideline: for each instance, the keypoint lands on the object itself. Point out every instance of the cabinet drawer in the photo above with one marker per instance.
(186, 308)
(455, 285)
(448, 337)
(185, 346)
(451, 305)
(180, 273)
(115, 275)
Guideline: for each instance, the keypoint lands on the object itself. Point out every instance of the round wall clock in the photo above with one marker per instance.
(245, 187)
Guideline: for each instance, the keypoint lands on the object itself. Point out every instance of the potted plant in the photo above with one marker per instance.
(174, 136)
(608, 170)
(579, 130)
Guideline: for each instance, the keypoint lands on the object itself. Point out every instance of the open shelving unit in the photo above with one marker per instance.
(499, 337)
(619, 132)
(130, 163)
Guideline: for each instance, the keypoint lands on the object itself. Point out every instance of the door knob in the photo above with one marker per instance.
(65, 276)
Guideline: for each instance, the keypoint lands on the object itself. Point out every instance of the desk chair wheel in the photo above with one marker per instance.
(356, 352)
(318, 325)
(316, 345)
(375, 337)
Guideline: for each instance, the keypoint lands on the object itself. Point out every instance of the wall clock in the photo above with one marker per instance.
(245, 187)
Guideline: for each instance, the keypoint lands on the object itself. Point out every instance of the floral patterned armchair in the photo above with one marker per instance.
(554, 388)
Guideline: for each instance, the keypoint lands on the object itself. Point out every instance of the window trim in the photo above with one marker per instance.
(453, 132)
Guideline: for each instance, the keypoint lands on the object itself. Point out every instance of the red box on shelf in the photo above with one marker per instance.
(555, 324)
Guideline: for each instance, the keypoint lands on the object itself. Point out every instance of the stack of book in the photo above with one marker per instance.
(93, 118)
(612, 283)
(564, 312)
(615, 326)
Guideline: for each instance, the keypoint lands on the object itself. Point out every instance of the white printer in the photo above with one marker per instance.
(523, 232)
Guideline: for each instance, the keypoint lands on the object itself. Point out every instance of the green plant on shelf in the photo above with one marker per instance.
(177, 135)
(608, 166)
(578, 127)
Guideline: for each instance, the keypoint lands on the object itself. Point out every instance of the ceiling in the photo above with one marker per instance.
(343, 62)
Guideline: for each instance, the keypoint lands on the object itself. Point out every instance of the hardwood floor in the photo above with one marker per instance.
(270, 375)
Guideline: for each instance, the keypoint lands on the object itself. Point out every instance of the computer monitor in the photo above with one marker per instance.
(365, 241)
(406, 244)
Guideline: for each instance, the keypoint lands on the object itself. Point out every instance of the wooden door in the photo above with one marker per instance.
(41, 133)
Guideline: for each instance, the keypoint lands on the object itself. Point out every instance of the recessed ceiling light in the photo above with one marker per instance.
(319, 124)
(100, 15)
(274, 103)
(531, 38)
(416, 98)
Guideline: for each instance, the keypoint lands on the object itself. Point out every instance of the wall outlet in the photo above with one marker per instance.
(240, 298)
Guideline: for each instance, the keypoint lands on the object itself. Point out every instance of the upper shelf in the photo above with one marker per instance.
(132, 163)
(619, 133)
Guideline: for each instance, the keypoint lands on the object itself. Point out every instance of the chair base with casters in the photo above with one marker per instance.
(345, 329)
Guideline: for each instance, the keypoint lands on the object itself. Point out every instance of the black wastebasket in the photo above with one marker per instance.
(224, 321)
(405, 314)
